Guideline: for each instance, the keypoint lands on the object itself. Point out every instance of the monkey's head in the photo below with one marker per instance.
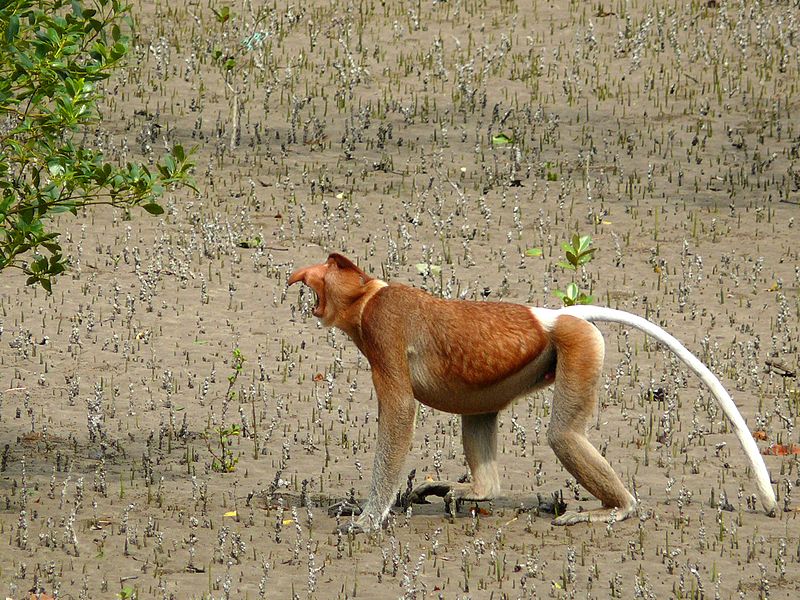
(337, 283)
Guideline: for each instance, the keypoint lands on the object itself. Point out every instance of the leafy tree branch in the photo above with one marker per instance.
(53, 56)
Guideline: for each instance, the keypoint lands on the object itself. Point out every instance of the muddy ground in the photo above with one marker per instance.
(458, 135)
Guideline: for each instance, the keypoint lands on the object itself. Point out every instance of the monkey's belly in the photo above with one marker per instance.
(454, 395)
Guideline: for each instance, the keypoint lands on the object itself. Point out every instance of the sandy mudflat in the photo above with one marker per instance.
(669, 133)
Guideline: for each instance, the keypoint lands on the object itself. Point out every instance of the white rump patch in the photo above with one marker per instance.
(546, 316)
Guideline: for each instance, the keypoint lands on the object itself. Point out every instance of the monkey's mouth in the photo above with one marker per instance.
(319, 307)
(314, 279)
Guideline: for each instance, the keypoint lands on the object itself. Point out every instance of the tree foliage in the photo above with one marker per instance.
(54, 54)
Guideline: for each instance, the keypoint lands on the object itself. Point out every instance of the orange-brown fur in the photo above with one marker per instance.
(455, 363)
(469, 358)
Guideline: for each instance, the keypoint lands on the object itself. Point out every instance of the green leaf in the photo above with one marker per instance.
(62, 208)
(533, 252)
(223, 14)
(126, 593)
(572, 290)
(254, 242)
(153, 208)
(586, 256)
(169, 161)
(13, 29)
(501, 139)
(55, 168)
(26, 215)
(565, 265)
(569, 297)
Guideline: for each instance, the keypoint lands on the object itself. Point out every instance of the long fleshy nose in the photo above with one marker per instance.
(312, 276)
(299, 275)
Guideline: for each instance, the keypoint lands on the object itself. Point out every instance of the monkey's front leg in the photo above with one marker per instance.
(479, 437)
(396, 410)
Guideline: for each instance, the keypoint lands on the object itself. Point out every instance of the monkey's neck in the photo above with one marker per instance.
(351, 324)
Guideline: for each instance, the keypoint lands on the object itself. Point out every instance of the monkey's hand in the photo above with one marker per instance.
(366, 522)
(353, 527)
(350, 508)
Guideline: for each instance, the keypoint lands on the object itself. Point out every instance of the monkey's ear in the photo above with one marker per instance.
(345, 264)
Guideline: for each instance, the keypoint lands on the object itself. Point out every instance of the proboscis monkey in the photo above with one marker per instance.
(473, 359)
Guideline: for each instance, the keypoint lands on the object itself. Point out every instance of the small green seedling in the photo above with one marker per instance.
(224, 461)
(222, 15)
(238, 363)
(573, 295)
(549, 172)
(253, 242)
(578, 252)
(223, 457)
(127, 593)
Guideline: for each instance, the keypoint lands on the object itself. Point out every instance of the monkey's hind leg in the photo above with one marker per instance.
(479, 437)
(580, 350)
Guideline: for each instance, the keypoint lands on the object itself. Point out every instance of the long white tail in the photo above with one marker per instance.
(598, 313)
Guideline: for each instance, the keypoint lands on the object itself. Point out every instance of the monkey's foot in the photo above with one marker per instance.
(600, 515)
(449, 490)
(419, 495)
(345, 508)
